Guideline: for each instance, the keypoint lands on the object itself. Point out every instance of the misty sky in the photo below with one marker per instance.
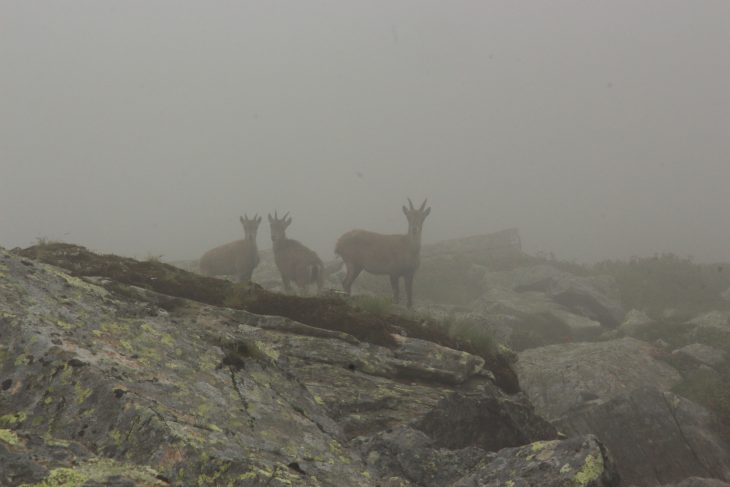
(599, 129)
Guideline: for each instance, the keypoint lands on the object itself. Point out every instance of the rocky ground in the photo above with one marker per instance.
(118, 372)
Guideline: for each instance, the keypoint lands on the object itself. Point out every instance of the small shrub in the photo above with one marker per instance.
(377, 305)
(473, 333)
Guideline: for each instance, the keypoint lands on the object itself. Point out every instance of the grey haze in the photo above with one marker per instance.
(600, 129)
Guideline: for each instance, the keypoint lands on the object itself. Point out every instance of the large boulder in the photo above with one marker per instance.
(655, 437)
(635, 322)
(696, 354)
(581, 461)
(488, 422)
(711, 319)
(595, 297)
(620, 391)
(561, 378)
(712, 329)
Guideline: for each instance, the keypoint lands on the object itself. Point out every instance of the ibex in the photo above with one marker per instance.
(395, 255)
(238, 258)
(295, 261)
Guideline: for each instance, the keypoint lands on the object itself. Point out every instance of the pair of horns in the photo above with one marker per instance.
(423, 205)
(276, 216)
(255, 217)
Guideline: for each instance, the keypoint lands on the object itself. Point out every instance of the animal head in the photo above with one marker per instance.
(278, 226)
(250, 226)
(415, 217)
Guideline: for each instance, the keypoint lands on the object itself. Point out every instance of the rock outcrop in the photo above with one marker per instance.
(113, 381)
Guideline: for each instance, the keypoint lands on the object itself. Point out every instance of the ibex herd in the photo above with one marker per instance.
(393, 255)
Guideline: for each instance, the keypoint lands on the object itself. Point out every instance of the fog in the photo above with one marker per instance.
(599, 129)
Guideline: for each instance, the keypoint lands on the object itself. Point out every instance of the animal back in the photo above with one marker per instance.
(224, 260)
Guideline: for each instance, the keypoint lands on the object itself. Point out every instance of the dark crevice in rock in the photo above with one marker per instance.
(686, 441)
(251, 420)
(295, 467)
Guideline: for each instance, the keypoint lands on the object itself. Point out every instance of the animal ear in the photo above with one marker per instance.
(241, 218)
(258, 219)
(405, 210)
(287, 222)
(427, 212)
(271, 220)
(423, 205)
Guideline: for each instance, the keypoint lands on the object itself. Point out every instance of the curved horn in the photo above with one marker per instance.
(423, 205)
(276, 215)
(286, 215)
(410, 203)
(245, 216)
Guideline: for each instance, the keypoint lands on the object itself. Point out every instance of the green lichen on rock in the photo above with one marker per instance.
(51, 441)
(591, 470)
(9, 437)
(15, 418)
(82, 393)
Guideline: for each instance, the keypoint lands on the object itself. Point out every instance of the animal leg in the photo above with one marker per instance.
(395, 284)
(245, 277)
(408, 278)
(302, 288)
(352, 272)
(319, 277)
(287, 284)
